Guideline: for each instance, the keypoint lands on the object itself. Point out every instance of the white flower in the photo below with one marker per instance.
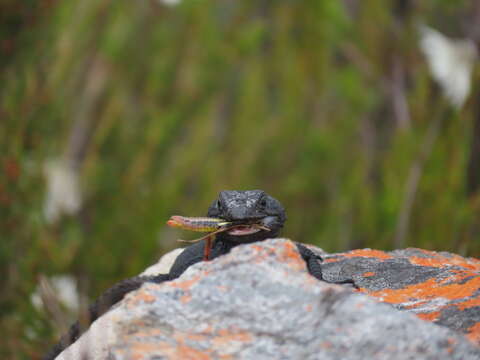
(170, 2)
(451, 63)
(64, 287)
(63, 190)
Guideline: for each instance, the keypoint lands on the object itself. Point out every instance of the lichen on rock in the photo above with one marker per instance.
(260, 302)
(436, 286)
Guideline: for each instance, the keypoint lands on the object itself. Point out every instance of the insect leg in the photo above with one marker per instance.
(208, 247)
(206, 236)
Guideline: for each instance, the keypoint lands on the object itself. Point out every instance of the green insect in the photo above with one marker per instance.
(206, 224)
(200, 224)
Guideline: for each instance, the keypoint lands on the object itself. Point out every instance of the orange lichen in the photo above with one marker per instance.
(138, 351)
(360, 305)
(442, 261)
(452, 259)
(185, 284)
(458, 289)
(178, 350)
(417, 304)
(432, 316)
(368, 253)
(186, 298)
(225, 336)
(290, 251)
(474, 333)
(225, 357)
(208, 329)
(326, 345)
(451, 344)
(428, 290)
(257, 248)
(432, 289)
(469, 303)
(187, 352)
(331, 260)
(291, 257)
(196, 337)
(261, 253)
(140, 296)
(415, 260)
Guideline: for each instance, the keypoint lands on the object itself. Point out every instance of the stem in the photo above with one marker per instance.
(413, 180)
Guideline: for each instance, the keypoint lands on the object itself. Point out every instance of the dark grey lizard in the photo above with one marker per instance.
(236, 206)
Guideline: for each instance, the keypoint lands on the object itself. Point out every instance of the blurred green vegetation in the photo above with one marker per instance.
(158, 107)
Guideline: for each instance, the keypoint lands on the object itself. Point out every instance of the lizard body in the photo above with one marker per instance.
(242, 207)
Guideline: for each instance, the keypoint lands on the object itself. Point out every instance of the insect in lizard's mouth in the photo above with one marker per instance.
(242, 230)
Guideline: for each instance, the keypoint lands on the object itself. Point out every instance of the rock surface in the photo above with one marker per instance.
(439, 287)
(259, 302)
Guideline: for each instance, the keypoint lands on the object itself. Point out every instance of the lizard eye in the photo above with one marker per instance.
(263, 203)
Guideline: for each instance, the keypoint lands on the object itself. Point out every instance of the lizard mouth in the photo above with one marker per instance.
(243, 230)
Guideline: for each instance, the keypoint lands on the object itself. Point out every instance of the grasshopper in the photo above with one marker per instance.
(205, 224)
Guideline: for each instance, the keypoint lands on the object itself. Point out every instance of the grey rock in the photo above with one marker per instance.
(437, 286)
(259, 302)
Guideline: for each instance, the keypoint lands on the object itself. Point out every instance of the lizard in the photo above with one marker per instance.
(241, 207)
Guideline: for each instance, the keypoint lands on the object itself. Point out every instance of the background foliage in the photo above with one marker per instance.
(157, 106)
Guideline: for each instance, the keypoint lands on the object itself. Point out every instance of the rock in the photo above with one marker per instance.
(164, 264)
(259, 302)
(439, 287)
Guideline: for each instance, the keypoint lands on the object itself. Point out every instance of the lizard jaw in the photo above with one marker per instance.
(243, 230)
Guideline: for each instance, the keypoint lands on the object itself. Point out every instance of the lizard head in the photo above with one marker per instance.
(246, 208)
